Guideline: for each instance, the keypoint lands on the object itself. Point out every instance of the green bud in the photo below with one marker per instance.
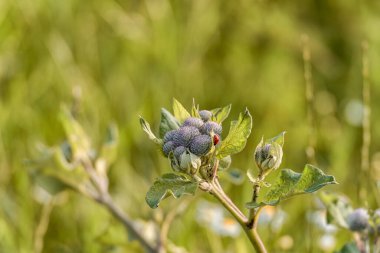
(225, 163)
(268, 154)
(190, 162)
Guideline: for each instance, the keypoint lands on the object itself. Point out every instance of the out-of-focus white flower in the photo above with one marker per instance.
(327, 242)
(353, 112)
(273, 216)
(214, 217)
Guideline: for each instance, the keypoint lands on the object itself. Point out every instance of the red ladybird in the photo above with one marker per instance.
(216, 139)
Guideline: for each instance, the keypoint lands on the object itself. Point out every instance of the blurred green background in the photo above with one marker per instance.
(120, 59)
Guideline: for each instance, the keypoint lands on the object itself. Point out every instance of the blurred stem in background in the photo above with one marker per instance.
(365, 174)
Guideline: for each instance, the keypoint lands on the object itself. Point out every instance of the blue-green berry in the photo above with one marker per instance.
(358, 219)
(169, 136)
(194, 122)
(178, 151)
(168, 147)
(211, 126)
(205, 115)
(185, 135)
(201, 145)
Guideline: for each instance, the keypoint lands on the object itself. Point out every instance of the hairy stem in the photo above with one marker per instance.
(254, 213)
(251, 232)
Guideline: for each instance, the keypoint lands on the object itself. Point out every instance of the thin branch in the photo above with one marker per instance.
(43, 225)
(366, 124)
(107, 201)
(253, 216)
(166, 224)
(309, 92)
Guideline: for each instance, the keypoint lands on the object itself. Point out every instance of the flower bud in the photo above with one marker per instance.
(358, 219)
(201, 145)
(190, 162)
(168, 147)
(185, 135)
(169, 136)
(225, 163)
(194, 122)
(268, 155)
(178, 151)
(205, 115)
(211, 126)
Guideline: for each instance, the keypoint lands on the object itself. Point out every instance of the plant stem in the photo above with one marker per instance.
(254, 212)
(107, 201)
(251, 232)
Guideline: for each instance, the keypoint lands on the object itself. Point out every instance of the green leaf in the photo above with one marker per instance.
(77, 137)
(291, 183)
(169, 184)
(220, 114)
(237, 137)
(279, 139)
(195, 110)
(168, 122)
(349, 248)
(146, 127)
(108, 152)
(179, 111)
(337, 208)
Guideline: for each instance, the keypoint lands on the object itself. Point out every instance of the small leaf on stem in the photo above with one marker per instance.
(146, 127)
(179, 111)
(237, 137)
(169, 184)
(291, 183)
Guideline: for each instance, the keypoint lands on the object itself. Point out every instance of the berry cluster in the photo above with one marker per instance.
(196, 135)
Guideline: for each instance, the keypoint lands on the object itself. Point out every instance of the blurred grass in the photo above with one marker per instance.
(129, 58)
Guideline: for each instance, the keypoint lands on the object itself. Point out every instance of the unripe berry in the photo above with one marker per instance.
(201, 145)
(169, 136)
(194, 122)
(168, 147)
(185, 135)
(205, 115)
(211, 126)
(178, 151)
(358, 219)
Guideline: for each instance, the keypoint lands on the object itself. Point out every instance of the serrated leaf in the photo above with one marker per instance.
(146, 127)
(220, 114)
(180, 111)
(168, 122)
(291, 183)
(237, 136)
(349, 248)
(169, 184)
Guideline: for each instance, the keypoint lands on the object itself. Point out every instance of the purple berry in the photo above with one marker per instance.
(201, 145)
(194, 122)
(211, 126)
(358, 219)
(205, 115)
(185, 135)
(168, 147)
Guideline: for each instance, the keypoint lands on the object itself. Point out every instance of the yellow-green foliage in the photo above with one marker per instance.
(114, 60)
